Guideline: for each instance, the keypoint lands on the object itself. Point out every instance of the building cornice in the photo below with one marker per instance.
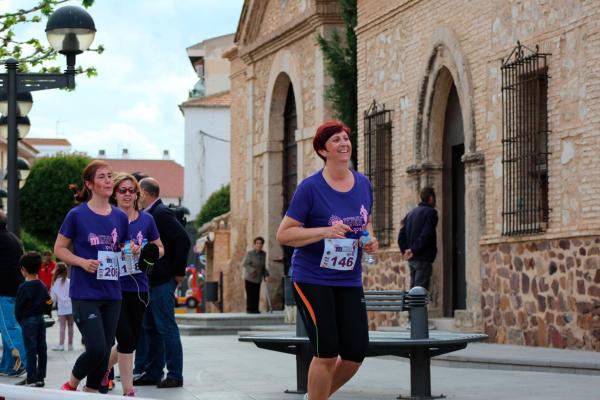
(284, 36)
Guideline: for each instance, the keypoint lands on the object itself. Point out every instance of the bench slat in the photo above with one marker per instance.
(384, 292)
(384, 303)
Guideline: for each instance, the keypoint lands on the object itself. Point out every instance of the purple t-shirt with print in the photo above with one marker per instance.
(143, 227)
(90, 233)
(316, 204)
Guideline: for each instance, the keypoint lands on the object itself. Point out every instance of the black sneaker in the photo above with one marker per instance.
(145, 380)
(36, 384)
(170, 383)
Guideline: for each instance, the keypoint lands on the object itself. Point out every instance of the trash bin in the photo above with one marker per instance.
(288, 292)
(211, 291)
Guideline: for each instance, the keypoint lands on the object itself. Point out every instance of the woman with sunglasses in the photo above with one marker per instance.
(134, 283)
(90, 240)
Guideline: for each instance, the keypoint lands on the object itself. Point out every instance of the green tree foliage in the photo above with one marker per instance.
(340, 61)
(31, 52)
(216, 204)
(31, 243)
(46, 198)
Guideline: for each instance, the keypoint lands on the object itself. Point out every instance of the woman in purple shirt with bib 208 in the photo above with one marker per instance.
(328, 214)
(90, 240)
(134, 282)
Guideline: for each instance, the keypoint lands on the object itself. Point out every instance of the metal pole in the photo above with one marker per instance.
(13, 138)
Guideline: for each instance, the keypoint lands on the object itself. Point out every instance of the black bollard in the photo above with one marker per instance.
(420, 365)
(417, 303)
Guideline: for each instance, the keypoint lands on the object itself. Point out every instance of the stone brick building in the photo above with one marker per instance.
(515, 170)
(519, 225)
(277, 90)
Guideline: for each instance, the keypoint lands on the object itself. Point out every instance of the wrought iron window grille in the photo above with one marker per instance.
(525, 141)
(378, 168)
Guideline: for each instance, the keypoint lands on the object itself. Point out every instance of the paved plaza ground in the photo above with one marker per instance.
(221, 368)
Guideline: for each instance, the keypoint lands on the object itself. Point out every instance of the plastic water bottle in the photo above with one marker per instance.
(129, 259)
(367, 258)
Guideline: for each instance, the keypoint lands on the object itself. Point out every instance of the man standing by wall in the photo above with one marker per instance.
(11, 250)
(169, 271)
(417, 239)
(254, 272)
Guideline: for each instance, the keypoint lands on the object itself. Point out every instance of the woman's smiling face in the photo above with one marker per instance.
(338, 147)
(126, 194)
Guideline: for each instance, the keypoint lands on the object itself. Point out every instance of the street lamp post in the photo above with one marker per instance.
(70, 31)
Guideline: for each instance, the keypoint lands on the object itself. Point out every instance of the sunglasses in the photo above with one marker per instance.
(124, 190)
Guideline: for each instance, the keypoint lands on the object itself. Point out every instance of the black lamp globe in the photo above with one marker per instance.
(24, 103)
(24, 167)
(70, 30)
(23, 126)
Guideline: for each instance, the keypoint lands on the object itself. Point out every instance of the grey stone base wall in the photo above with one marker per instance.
(542, 293)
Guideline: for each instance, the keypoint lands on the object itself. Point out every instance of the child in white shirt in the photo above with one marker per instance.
(60, 295)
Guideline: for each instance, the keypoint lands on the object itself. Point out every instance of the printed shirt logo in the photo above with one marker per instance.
(357, 223)
(139, 238)
(110, 242)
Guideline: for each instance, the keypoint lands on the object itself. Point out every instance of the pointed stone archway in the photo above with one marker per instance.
(447, 69)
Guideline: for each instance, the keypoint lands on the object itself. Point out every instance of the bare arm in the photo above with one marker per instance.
(293, 233)
(63, 251)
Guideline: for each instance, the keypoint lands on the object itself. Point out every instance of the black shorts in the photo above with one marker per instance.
(335, 318)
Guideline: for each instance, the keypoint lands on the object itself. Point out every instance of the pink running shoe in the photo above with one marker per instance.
(67, 386)
(131, 393)
(105, 379)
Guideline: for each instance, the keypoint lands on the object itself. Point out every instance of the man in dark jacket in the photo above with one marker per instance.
(13, 355)
(417, 239)
(169, 271)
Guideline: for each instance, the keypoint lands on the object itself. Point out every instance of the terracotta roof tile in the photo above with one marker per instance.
(47, 142)
(222, 99)
(168, 173)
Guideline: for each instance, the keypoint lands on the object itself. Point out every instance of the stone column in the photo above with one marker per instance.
(471, 318)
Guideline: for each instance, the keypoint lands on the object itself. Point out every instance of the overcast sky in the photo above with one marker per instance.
(143, 75)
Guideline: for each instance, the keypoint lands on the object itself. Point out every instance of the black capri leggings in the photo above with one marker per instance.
(335, 318)
(97, 322)
(130, 321)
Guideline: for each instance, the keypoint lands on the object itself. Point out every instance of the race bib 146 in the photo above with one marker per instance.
(340, 254)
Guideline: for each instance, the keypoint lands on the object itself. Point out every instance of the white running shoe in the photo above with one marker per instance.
(58, 347)
(71, 347)
(305, 396)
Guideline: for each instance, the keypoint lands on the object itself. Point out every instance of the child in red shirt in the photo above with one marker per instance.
(46, 270)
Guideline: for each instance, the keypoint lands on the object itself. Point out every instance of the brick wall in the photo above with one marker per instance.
(394, 54)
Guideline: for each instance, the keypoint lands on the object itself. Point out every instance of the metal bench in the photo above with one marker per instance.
(418, 345)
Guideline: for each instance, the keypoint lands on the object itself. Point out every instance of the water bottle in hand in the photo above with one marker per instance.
(129, 259)
(367, 258)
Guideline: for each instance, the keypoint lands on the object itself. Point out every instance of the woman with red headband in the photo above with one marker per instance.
(325, 219)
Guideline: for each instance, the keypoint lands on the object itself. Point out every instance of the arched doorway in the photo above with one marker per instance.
(447, 158)
(290, 163)
(453, 213)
